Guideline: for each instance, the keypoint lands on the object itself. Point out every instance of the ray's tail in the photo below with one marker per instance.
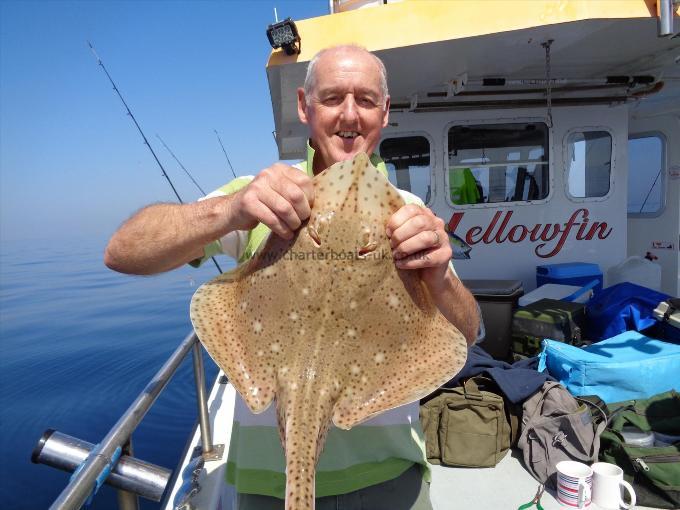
(303, 441)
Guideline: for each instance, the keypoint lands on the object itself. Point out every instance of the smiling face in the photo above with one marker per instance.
(345, 110)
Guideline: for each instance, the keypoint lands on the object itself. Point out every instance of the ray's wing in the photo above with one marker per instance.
(398, 361)
(245, 319)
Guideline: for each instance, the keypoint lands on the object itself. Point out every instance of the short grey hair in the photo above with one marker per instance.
(310, 78)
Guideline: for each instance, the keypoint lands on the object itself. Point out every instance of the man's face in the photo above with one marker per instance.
(346, 111)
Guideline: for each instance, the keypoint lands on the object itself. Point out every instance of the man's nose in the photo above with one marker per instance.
(349, 109)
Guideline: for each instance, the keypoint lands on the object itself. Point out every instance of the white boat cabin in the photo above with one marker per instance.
(542, 132)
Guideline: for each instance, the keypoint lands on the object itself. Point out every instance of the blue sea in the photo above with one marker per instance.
(79, 342)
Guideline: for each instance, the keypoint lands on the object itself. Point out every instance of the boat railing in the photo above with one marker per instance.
(110, 461)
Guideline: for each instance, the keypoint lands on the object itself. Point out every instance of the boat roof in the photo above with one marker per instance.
(428, 45)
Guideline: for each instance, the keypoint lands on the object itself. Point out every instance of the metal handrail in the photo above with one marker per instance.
(76, 493)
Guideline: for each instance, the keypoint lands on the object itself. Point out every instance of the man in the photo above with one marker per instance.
(345, 105)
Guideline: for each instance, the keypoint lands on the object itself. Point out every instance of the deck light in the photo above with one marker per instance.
(284, 34)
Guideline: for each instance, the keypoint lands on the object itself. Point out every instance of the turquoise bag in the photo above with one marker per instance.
(625, 367)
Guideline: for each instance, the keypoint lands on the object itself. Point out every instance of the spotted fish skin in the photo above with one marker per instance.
(325, 325)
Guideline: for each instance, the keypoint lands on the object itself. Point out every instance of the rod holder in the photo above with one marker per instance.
(664, 11)
(129, 474)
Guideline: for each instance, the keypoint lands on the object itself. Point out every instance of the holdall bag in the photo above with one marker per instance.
(469, 425)
(556, 427)
(653, 471)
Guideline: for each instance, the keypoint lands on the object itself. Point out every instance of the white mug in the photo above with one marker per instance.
(608, 485)
(574, 482)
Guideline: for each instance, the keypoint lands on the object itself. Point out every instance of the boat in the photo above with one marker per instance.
(544, 130)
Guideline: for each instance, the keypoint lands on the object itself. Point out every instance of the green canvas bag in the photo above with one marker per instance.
(468, 426)
(653, 471)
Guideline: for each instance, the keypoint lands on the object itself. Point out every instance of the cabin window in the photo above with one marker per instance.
(589, 163)
(646, 169)
(493, 163)
(407, 159)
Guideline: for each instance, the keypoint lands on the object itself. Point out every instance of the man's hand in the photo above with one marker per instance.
(419, 241)
(280, 197)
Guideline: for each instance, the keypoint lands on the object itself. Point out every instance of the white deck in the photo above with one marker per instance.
(506, 486)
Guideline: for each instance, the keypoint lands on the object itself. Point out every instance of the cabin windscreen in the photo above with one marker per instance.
(492, 163)
(407, 159)
(589, 164)
(646, 172)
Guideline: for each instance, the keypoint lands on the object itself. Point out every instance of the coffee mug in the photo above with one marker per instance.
(608, 485)
(574, 483)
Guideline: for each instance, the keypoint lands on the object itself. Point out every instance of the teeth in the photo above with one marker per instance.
(348, 134)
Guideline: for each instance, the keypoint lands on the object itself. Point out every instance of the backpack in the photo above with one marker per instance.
(555, 427)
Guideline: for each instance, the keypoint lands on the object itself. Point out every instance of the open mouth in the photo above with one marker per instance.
(347, 135)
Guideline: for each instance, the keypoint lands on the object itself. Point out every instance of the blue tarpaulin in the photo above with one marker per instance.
(622, 307)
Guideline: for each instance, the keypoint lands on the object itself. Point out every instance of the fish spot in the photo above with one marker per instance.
(275, 347)
(351, 333)
(257, 327)
(305, 291)
(393, 300)
(293, 316)
(379, 357)
(355, 369)
(352, 305)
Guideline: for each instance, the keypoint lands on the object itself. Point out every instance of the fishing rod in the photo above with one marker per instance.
(181, 165)
(146, 142)
(225, 153)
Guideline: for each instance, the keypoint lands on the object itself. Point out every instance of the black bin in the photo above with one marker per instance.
(497, 300)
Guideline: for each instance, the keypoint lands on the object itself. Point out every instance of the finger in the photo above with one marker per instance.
(412, 227)
(294, 195)
(424, 240)
(401, 216)
(270, 219)
(281, 207)
(424, 259)
(303, 181)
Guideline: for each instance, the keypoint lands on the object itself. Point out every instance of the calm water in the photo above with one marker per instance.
(79, 342)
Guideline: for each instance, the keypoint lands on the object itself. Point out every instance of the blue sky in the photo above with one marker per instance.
(71, 161)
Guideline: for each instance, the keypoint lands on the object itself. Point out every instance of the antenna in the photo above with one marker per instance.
(146, 142)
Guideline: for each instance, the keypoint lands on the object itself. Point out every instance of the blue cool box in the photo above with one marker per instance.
(625, 367)
(570, 273)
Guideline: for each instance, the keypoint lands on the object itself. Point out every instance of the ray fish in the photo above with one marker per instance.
(325, 324)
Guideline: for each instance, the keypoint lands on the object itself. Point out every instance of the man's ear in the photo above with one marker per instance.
(302, 105)
(386, 113)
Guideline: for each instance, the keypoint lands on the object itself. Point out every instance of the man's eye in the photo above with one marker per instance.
(332, 100)
(366, 102)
